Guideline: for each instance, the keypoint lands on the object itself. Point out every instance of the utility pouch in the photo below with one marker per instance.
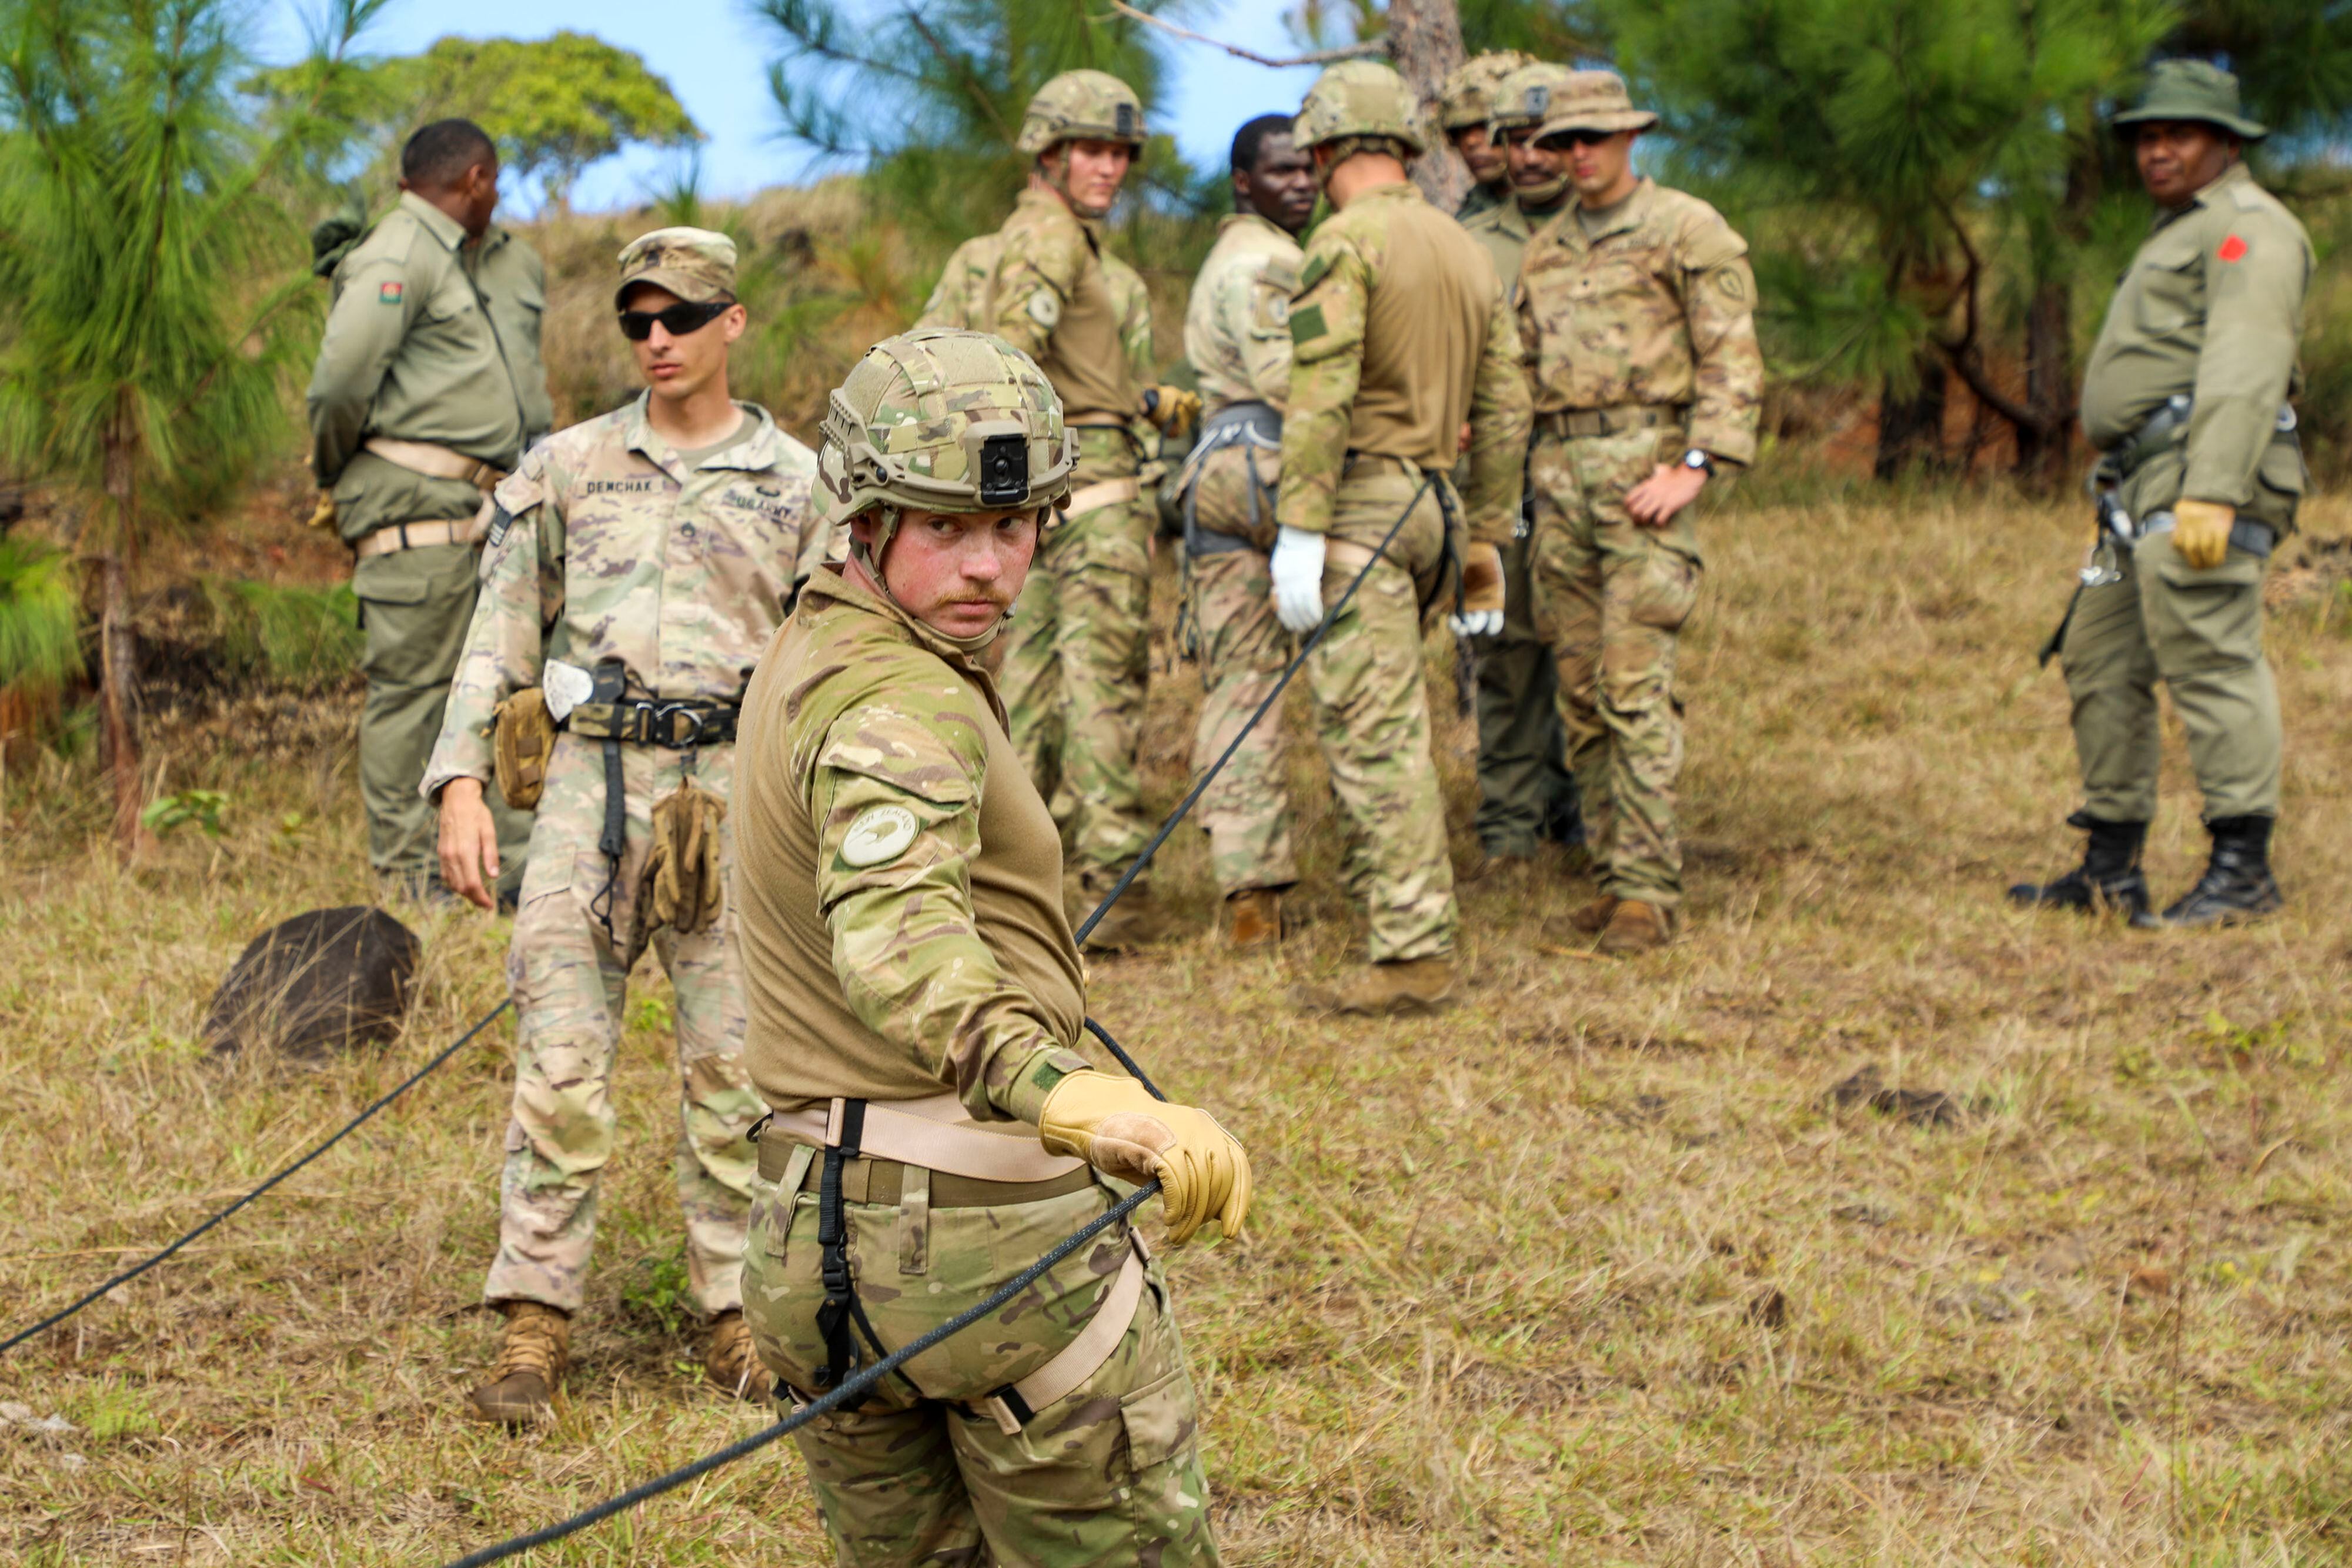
(522, 742)
(680, 884)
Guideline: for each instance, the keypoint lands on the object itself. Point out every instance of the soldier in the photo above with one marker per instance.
(1074, 666)
(637, 565)
(1637, 308)
(428, 387)
(1237, 336)
(1465, 108)
(1399, 335)
(915, 1002)
(1525, 793)
(2185, 397)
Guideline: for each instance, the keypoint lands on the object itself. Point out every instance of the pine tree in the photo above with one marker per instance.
(156, 280)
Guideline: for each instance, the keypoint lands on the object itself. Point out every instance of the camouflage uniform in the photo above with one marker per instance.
(680, 573)
(432, 341)
(904, 939)
(1641, 343)
(1077, 657)
(1237, 336)
(1399, 333)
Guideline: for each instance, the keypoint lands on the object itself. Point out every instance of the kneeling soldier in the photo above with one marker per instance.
(636, 566)
(914, 996)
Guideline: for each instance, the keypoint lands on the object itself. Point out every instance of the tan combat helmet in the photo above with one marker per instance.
(943, 420)
(1360, 97)
(1525, 97)
(1469, 96)
(1093, 105)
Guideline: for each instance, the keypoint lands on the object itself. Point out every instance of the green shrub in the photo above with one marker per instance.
(306, 637)
(40, 619)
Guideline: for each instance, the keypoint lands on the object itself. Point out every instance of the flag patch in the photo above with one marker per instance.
(2231, 248)
(390, 293)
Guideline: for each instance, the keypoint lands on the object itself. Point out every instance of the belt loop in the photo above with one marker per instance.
(796, 1170)
(914, 1220)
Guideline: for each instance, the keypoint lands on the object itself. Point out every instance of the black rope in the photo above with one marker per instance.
(348, 1128)
(854, 1389)
(1200, 785)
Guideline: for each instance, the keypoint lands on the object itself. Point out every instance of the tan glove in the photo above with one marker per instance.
(1172, 409)
(679, 885)
(2200, 532)
(1115, 1125)
(322, 516)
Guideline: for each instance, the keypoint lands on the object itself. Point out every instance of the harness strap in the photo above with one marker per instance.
(935, 1133)
(1103, 493)
(833, 1318)
(1015, 1403)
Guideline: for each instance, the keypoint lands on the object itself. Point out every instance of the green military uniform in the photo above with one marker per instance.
(1076, 659)
(1399, 335)
(1237, 338)
(2185, 397)
(907, 953)
(1641, 343)
(431, 355)
(1526, 793)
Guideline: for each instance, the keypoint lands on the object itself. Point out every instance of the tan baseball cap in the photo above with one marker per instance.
(1591, 100)
(697, 265)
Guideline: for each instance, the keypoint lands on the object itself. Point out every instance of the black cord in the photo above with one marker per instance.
(855, 1389)
(1200, 786)
(350, 1127)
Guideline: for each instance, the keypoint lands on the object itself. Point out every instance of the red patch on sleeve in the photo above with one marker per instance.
(390, 293)
(2231, 248)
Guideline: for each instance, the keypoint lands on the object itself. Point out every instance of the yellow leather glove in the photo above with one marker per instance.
(1115, 1125)
(322, 516)
(2200, 532)
(1172, 409)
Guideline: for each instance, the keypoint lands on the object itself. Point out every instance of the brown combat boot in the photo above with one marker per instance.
(1257, 918)
(731, 1361)
(1400, 985)
(1636, 927)
(533, 1353)
(1579, 926)
(1135, 921)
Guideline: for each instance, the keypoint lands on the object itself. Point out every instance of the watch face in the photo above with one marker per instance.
(1697, 459)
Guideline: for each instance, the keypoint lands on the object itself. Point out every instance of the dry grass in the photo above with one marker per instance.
(1584, 1271)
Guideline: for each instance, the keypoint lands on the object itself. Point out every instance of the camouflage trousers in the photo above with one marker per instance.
(1611, 598)
(570, 984)
(1242, 651)
(1372, 714)
(1109, 1475)
(1525, 792)
(1076, 662)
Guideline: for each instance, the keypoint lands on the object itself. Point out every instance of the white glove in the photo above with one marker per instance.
(1476, 624)
(1481, 612)
(1298, 580)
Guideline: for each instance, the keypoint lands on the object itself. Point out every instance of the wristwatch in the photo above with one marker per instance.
(1696, 458)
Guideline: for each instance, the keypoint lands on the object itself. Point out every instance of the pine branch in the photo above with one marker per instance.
(1372, 50)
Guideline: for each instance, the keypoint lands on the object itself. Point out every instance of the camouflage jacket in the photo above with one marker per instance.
(1237, 326)
(2211, 307)
(607, 548)
(1044, 284)
(899, 890)
(1399, 334)
(1658, 308)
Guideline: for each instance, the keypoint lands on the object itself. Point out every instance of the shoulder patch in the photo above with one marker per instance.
(1046, 308)
(390, 291)
(880, 835)
(2233, 248)
(1306, 325)
(1317, 265)
(1281, 272)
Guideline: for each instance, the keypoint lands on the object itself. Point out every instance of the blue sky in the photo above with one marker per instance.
(715, 58)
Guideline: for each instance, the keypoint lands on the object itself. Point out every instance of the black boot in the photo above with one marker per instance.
(2237, 885)
(2108, 879)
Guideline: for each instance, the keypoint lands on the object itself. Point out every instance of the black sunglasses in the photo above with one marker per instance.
(677, 320)
(1577, 139)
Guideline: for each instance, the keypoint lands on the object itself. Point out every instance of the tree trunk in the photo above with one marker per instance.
(117, 644)
(1911, 429)
(2042, 446)
(1425, 44)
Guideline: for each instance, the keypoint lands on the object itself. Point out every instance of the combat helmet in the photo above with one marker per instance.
(1082, 105)
(1525, 97)
(943, 420)
(1360, 97)
(1471, 94)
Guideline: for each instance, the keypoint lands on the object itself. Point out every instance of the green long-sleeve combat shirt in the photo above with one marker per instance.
(428, 339)
(2210, 306)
